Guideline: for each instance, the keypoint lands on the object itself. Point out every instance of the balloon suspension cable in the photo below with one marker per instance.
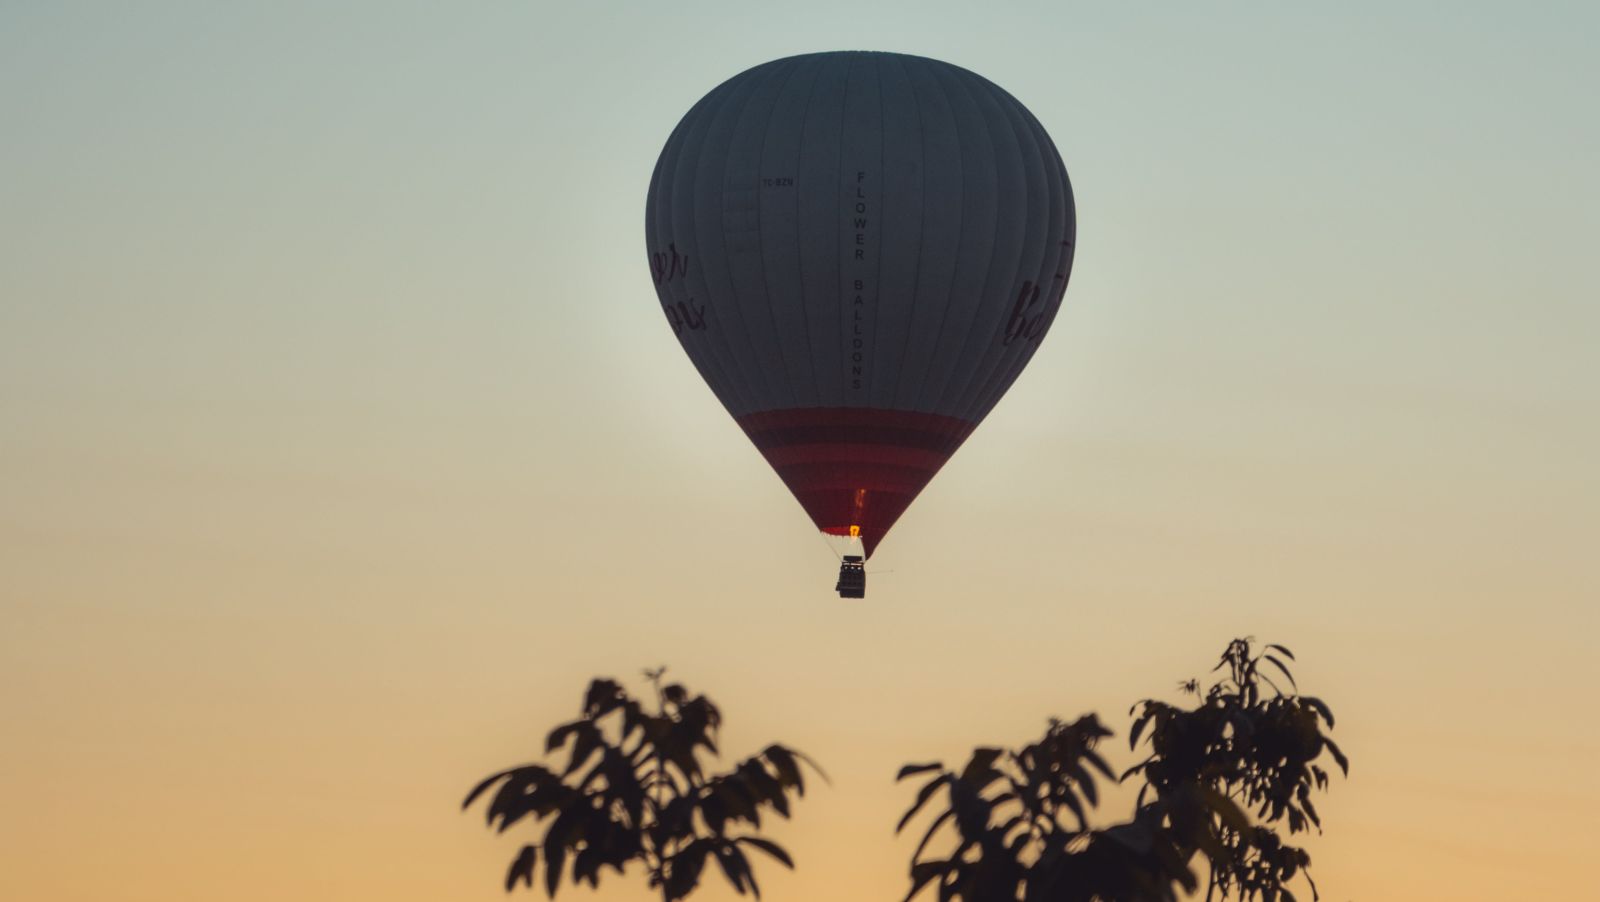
(851, 544)
(839, 556)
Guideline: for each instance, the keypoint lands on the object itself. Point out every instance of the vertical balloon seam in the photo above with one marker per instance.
(763, 345)
(876, 61)
(918, 400)
(863, 79)
(820, 346)
(898, 391)
(954, 242)
(761, 242)
(964, 322)
(838, 237)
(890, 277)
(1001, 283)
(1003, 365)
(932, 72)
(837, 215)
(1071, 216)
(1065, 239)
(999, 359)
(916, 268)
(1001, 276)
(1003, 376)
(715, 272)
(651, 199)
(1061, 201)
(746, 389)
(753, 379)
(810, 357)
(746, 274)
(659, 210)
(839, 469)
(914, 400)
(995, 273)
(950, 75)
(706, 346)
(1065, 198)
(948, 444)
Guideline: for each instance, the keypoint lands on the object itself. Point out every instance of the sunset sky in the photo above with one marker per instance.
(342, 438)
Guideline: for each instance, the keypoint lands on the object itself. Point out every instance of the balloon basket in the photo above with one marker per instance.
(852, 577)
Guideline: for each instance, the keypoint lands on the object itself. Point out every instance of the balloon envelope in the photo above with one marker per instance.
(859, 252)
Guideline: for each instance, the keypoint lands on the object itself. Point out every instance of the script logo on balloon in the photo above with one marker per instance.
(669, 264)
(685, 315)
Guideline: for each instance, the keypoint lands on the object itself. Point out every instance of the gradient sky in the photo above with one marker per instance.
(342, 439)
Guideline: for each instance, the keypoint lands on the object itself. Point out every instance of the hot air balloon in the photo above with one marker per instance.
(859, 252)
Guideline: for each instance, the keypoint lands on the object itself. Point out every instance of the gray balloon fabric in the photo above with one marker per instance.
(859, 252)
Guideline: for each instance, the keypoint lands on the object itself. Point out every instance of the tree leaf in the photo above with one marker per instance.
(1093, 757)
(603, 696)
(1224, 807)
(1344, 763)
(922, 799)
(927, 837)
(586, 865)
(1280, 665)
(1317, 705)
(522, 868)
(487, 782)
(923, 874)
(1275, 687)
(583, 748)
(735, 868)
(810, 763)
(1069, 799)
(1311, 812)
(558, 736)
(555, 855)
(769, 847)
(714, 812)
(787, 768)
(910, 770)
(1286, 652)
(684, 868)
(1138, 728)
(980, 770)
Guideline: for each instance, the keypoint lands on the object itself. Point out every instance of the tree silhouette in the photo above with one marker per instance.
(1020, 818)
(1258, 748)
(647, 798)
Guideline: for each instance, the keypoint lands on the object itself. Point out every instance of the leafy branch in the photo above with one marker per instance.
(1218, 780)
(634, 788)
